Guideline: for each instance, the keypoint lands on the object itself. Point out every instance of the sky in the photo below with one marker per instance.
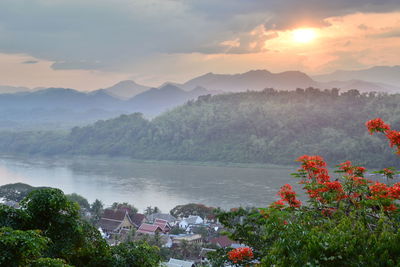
(91, 44)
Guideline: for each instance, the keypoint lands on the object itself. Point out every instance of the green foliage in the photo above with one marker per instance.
(183, 211)
(14, 218)
(250, 127)
(48, 262)
(16, 192)
(150, 210)
(139, 254)
(48, 231)
(96, 208)
(83, 203)
(176, 230)
(19, 248)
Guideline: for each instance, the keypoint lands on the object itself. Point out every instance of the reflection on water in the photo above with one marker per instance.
(143, 184)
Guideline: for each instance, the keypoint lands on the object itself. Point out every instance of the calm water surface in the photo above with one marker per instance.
(164, 185)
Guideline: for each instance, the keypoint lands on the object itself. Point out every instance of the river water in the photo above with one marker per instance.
(161, 184)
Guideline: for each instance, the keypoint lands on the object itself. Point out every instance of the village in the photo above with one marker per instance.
(184, 240)
(185, 236)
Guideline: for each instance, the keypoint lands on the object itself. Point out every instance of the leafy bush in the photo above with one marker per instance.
(349, 221)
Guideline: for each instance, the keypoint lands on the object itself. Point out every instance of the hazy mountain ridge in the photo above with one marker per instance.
(254, 80)
(378, 74)
(126, 89)
(62, 106)
(257, 80)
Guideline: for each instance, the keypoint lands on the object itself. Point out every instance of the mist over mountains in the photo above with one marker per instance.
(22, 108)
(378, 74)
(63, 108)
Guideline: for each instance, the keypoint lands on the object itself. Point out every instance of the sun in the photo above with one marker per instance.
(304, 35)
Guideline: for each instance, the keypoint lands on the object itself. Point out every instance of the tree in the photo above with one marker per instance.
(20, 248)
(149, 210)
(83, 203)
(348, 221)
(138, 254)
(130, 208)
(97, 210)
(183, 211)
(48, 231)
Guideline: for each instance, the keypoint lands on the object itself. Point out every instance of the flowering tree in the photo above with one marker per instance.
(347, 221)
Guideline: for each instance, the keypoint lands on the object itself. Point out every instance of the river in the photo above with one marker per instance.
(161, 184)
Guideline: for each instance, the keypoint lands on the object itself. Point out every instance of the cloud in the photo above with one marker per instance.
(111, 35)
(393, 33)
(30, 62)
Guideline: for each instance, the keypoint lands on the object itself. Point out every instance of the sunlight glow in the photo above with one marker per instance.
(304, 35)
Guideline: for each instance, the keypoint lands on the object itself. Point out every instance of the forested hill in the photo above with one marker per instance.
(257, 127)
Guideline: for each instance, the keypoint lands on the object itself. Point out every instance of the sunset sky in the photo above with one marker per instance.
(90, 44)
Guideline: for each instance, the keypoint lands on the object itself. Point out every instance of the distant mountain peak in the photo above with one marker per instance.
(252, 80)
(126, 89)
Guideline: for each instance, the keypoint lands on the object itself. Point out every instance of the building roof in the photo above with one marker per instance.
(179, 263)
(223, 241)
(146, 228)
(163, 224)
(109, 225)
(189, 238)
(112, 219)
(163, 216)
(117, 215)
(138, 219)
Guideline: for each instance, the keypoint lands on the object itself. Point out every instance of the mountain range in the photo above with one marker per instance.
(20, 106)
(61, 107)
(378, 74)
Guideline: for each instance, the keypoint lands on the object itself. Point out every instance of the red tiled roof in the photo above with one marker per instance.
(146, 228)
(138, 219)
(223, 241)
(163, 224)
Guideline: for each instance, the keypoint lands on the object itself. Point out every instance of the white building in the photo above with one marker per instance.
(192, 220)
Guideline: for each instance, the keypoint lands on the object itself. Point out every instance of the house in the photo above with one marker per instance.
(222, 241)
(192, 220)
(113, 221)
(150, 229)
(138, 219)
(164, 225)
(191, 239)
(163, 216)
(179, 263)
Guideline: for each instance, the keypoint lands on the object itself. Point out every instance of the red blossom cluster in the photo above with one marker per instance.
(287, 195)
(352, 190)
(240, 254)
(382, 191)
(394, 139)
(349, 169)
(378, 125)
(314, 167)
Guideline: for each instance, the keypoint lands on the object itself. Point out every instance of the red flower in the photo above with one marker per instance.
(379, 191)
(391, 207)
(240, 254)
(394, 139)
(288, 195)
(377, 125)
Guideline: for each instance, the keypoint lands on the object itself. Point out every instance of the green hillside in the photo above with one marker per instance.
(250, 127)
